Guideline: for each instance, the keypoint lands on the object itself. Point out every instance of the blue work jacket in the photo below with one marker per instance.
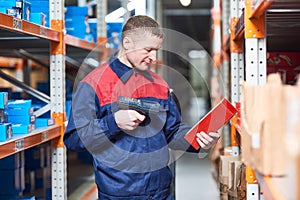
(127, 164)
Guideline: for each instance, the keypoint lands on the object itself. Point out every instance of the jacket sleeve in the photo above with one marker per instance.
(175, 130)
(88, 128)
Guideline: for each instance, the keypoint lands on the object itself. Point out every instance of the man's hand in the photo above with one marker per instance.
(206, 141)
(128, 119)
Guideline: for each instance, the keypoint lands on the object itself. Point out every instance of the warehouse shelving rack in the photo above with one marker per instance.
(23, 36)
(256, 27)
(22, 142)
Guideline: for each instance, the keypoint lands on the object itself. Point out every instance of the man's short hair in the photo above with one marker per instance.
(142, 23)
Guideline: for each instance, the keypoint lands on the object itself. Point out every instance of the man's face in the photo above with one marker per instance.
(142, 50)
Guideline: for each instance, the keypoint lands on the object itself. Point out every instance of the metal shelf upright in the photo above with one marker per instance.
(237, 63)
(57, 92)
(259, 22)
(256, 70)
(22, 38)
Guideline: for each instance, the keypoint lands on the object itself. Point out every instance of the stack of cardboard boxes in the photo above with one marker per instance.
(29, 10)
(5, 127)
(270, 131)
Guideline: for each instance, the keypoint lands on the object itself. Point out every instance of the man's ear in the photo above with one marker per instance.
(127, 43)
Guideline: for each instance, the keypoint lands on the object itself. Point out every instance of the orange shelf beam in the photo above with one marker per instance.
(60, 119)
(21, 26)
(236, 41)
(239, 28)
(250, 175)
(254, 24)
(261, 8)
(80, 43)
(21, 142)
(233, 139)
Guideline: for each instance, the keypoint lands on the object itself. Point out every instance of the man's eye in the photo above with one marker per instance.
(148, 50)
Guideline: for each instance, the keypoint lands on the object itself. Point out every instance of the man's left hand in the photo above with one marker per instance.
(206, 141)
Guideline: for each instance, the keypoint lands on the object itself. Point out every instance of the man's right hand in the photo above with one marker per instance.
(128, 119)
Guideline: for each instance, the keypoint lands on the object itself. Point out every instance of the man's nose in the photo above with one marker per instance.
(153, 55)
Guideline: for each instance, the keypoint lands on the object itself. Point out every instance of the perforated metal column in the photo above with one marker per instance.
(252, 192)
(237, 75)
(57, 82)
(256, 67)
(59, 175)
(57, 94)
(225, 32)
(237, 57)
(101, 13)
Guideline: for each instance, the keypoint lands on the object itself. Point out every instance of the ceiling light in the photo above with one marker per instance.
(185, 2)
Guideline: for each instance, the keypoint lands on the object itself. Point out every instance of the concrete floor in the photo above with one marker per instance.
(193, 179)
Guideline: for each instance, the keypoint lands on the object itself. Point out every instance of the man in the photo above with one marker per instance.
(130, 147)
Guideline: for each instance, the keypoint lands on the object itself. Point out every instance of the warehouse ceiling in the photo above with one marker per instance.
(194, 20)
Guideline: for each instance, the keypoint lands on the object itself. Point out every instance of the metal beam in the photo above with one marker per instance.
(25, 87)
(187, 12)
(30, 56)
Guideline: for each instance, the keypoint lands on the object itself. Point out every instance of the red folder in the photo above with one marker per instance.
(212, 121)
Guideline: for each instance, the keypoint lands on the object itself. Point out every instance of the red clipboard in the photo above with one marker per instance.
(212, 121)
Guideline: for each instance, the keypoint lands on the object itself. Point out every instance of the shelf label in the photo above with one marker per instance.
(17, 23)
(19, 144)
(44, 136)
(43, 31)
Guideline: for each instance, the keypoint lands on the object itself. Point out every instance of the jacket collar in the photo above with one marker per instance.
(124, 72)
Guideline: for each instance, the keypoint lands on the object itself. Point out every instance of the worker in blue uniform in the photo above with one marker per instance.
(130, 146)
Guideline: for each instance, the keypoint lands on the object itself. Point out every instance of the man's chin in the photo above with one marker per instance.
(143, 67)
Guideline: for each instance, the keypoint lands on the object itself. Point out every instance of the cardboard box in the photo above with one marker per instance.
(114, 30)
(21, 129)
(21, 103)
(3, 116)
(44, 122)
(5, 132)
(38, 18)
(224, 168)
(25, 7)
(14, 12)
(76, 11)
(263, 126)
(41, 7)
(3, 100)
(242, 185)
(234, 176)
(22, 119)
(292, 97)
(19, 111)
(7, 3)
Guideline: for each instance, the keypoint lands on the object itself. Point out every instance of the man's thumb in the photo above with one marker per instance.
(140, 117)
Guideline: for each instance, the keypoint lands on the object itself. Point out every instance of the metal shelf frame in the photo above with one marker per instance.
(22, 142)
(252, 24)
(53, 43)
(21, 26)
